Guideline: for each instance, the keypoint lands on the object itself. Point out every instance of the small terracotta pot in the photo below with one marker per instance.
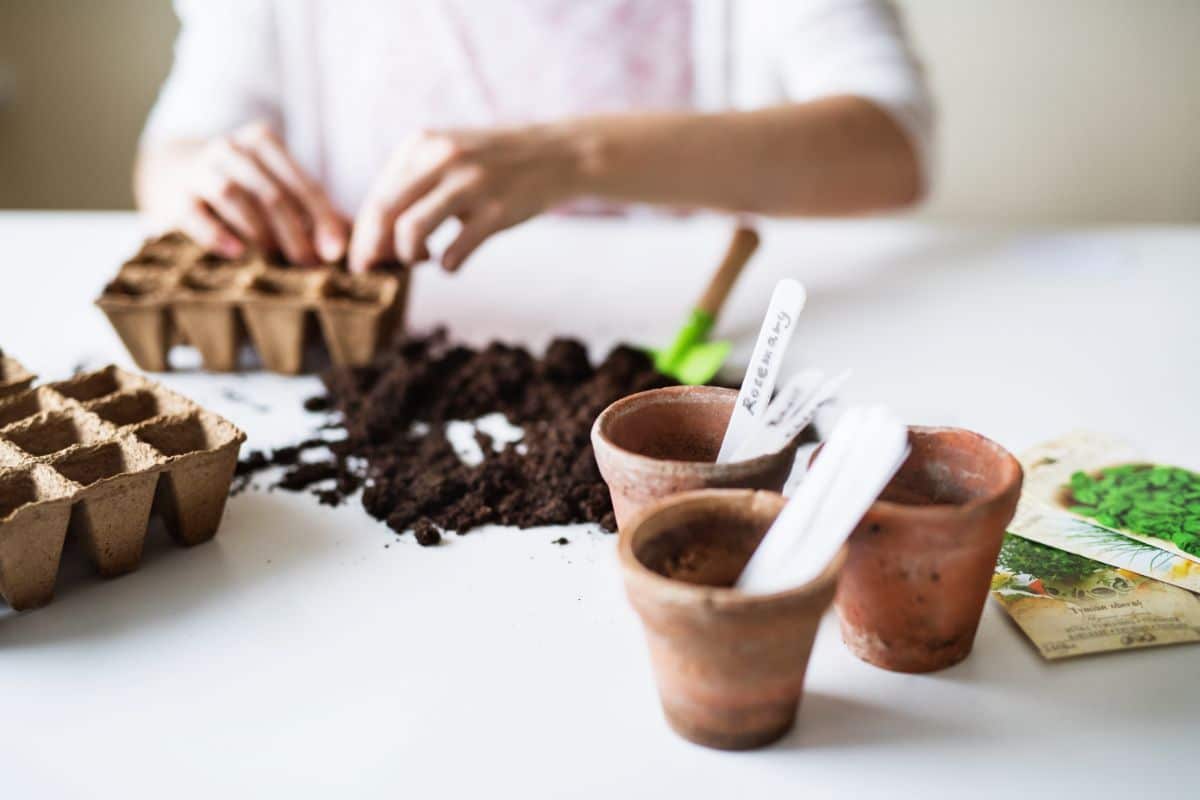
(657, 443)
(921, 560)
(729, 666)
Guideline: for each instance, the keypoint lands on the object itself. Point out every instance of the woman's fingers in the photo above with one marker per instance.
(414, 227)
(476, 228)
(237, 209)
(413, 172)
(328, 228)
(289, 226)
(373, 239)
(207, 230)
(370, 242)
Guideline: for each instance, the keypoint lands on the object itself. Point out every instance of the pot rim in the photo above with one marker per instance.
(719, 598)
(933, 510)
(706, 469)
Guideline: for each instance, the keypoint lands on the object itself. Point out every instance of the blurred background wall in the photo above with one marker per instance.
(77, 78)
(1060, 111)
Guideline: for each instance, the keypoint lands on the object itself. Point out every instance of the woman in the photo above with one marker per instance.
(283, 121)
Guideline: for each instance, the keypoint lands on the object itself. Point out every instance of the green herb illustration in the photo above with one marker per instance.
(1111, 544)
(1024, 557)
(1148, 499)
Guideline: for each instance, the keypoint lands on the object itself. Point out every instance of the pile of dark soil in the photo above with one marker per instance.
(394, 415)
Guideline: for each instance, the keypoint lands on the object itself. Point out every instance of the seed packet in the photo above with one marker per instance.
(1105, 482)
(1069, 605)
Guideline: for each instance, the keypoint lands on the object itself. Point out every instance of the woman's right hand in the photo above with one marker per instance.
(245, 188)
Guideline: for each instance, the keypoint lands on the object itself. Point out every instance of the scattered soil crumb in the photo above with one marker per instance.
(286, 455)
(302, 476)
(254, 461)
(427, 533)
(317, 404)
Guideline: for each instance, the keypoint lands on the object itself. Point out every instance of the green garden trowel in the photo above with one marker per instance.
(691, 358)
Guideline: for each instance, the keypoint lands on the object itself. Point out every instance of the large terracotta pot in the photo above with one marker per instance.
(921, 560)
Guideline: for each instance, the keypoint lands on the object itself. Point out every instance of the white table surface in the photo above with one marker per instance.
(297, 653)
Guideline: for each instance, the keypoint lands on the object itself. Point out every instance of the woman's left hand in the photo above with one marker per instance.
(489, 180)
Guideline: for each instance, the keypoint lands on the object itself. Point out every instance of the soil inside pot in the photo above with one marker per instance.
(683, 431)
(932, 483)
(909, 496)
(711, 551)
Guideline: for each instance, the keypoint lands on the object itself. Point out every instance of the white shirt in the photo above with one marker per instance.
(346, 80)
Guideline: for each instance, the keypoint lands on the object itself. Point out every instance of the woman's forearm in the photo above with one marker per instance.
(836, 156)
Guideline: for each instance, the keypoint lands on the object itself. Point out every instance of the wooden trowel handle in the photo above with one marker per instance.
(741, 247)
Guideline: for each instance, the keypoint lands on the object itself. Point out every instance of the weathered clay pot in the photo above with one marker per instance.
(729, 666)
(921, 560)
(657, 443)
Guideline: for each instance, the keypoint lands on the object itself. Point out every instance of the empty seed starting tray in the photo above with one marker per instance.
(172, 292)
(98, 455)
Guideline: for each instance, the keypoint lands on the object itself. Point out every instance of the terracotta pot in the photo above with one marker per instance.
(921, 561)
(729, 666)
(657, 443)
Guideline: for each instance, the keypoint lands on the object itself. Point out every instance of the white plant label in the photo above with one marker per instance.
(867, 448)
(797, 404)
(787, 301)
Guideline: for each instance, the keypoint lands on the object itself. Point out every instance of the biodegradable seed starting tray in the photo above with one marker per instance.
(172, 292)
(98, 455)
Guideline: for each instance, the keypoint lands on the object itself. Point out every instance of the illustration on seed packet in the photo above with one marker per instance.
(1070, 605)
(1058, 528)
(1107, 483)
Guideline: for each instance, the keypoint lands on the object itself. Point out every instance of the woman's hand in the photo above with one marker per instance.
(246, 189)
(489, 180)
